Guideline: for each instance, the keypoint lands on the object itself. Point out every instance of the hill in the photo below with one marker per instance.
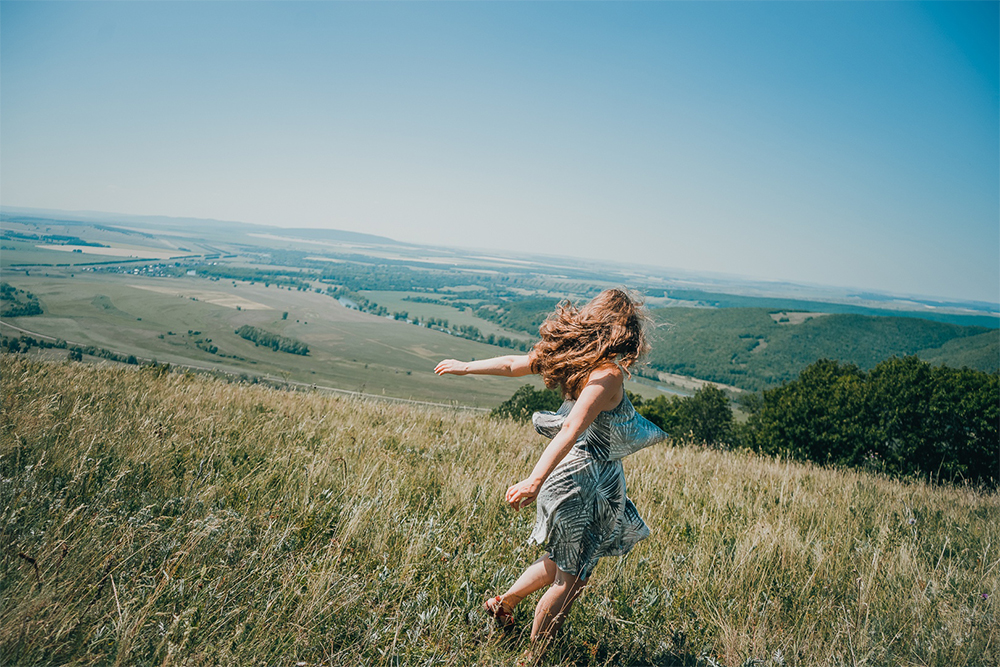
(969, 313)
(978, 351)
(166, 518)
(755, 348)
(762, 347)
(159, 223)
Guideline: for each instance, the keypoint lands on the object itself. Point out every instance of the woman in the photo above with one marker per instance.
(583, 513)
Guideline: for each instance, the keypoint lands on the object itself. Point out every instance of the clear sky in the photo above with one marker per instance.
(851, 144)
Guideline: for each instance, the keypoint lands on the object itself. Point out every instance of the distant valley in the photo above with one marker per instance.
(375, 314)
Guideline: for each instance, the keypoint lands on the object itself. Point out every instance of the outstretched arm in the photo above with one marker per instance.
(602, 392)
(513, 365)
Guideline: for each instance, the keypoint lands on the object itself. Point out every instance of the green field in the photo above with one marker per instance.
(169, 519)
(121, 245)
(20, 256)
(147, 308)
(395, 302)
(152, 317)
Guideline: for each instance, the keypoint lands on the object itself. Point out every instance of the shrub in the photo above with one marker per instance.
(527, 400)
(910, 416)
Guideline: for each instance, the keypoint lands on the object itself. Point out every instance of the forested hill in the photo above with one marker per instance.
(756, 348)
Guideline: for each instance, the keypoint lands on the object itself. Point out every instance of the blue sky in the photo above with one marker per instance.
(846, 143)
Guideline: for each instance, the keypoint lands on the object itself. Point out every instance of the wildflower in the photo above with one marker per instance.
(986, 596)
(912, 521)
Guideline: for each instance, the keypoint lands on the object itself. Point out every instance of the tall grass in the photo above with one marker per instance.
(155, 518)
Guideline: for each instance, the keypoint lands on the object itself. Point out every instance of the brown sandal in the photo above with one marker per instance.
(504, 617)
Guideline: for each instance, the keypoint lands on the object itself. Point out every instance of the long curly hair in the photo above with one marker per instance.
(575, 341)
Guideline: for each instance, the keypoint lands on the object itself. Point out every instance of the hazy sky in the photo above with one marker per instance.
(845, 143)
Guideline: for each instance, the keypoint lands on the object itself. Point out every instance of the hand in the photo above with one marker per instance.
(452, 367)
(521, 494)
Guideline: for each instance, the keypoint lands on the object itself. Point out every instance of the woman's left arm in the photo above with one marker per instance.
(598, 395)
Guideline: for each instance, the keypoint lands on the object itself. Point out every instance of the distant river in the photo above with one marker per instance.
(673, 391)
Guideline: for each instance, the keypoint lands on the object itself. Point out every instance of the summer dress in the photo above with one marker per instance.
(583, 513)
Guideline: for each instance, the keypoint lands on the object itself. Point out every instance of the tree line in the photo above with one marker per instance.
(24, 343)
(903, 417)
(17, 302)
(277, 343)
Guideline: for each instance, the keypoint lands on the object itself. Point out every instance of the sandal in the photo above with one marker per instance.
(494, 607)
(530, 659)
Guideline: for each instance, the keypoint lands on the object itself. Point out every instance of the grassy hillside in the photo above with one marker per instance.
(757, 348)
(167, 318)
(181, 320)
(169, 519)
(754, 348)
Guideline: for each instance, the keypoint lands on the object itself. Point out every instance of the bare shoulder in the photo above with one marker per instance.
(606, 385)
(608, 374)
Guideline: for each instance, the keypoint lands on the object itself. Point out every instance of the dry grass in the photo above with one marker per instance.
(176, 520)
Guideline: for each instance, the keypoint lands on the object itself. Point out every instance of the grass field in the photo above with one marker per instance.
(151, 318)
(18, 254)
(395, 302)
(169, 519)
(121, 244)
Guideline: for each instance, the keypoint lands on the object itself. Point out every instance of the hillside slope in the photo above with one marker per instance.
(758, 348)
(980, 352)
(753, 348)
(165, 518)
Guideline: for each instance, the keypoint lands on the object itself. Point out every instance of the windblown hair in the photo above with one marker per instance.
(609, 329)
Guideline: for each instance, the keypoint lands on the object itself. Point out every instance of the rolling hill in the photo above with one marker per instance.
(755, 348)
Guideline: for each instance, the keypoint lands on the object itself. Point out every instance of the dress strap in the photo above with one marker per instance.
(621, 368)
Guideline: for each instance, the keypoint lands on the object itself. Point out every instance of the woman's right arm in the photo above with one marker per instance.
(513, 365)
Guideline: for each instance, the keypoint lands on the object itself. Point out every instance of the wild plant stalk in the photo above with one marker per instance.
(158, 518)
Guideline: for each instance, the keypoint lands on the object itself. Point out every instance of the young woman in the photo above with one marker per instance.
(583, 513)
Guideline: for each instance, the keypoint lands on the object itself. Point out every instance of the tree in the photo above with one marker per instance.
(707, 415)
(906, 415)
(940, 421)
(527, 400)
(817, 417)
(663, 411)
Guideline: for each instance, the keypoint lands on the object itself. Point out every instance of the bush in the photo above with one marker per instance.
(910, 417)
(527, 400)
(706, 416)
(273, 341)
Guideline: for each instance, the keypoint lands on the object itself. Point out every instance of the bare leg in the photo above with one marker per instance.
(539, 574)
(553, 608)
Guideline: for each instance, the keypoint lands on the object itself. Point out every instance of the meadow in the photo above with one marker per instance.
(147, 309)
(165, 518)
(157, 318)
(164, 318)
(397, 302)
